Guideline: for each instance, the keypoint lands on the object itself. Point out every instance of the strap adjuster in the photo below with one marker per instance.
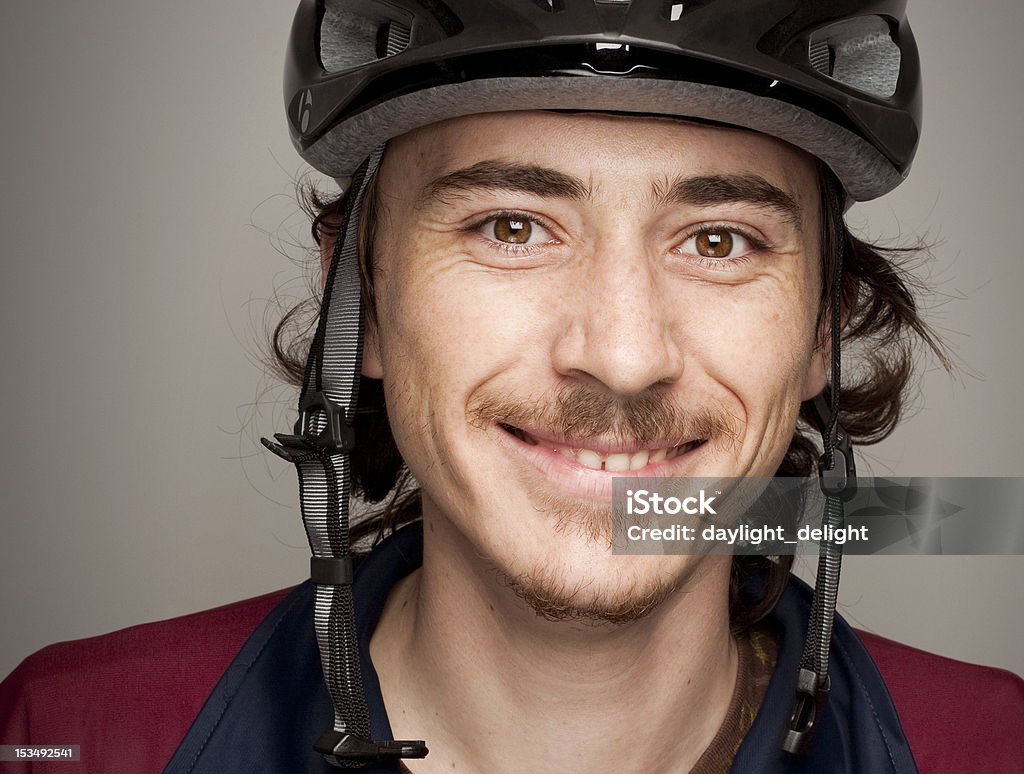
(331, 570)
(839, 480)
(337, 437)
(808, 708)
(346, 746)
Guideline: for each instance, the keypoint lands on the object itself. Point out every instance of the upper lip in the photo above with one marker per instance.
(596, 443)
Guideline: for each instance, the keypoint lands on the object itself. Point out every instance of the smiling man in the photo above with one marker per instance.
(577, 241)
(550, 293)
(584, 241)
(549, 296)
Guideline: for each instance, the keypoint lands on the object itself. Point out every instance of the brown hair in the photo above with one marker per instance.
(881, 318)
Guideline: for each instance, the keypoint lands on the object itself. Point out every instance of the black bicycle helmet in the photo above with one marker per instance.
(838, 78)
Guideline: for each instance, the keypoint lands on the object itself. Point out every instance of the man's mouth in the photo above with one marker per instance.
(606, 457)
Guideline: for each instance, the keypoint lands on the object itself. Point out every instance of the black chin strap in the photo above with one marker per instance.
(319, 448)
(837, 476)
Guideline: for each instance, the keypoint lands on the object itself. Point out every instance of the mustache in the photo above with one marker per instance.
(581, 412)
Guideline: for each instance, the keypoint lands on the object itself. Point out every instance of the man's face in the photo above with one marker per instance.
(566, 298)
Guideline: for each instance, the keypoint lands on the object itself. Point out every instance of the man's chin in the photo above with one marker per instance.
(559, 602)
(560, 596)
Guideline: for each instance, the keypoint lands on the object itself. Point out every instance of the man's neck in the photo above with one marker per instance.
(491, 686)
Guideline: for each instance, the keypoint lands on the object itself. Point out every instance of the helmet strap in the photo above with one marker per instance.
(319, 448)
(837, 478)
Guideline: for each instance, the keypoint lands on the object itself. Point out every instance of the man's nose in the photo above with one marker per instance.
(622, 327)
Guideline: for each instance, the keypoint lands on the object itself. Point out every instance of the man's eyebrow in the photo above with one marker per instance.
(709, 190)
(505, 176)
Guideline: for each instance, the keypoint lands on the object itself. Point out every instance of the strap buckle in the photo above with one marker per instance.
(808, 708)
(339, 746)
(839, 479)
(337, 437)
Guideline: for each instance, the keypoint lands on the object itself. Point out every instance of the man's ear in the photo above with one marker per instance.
(327, 242)
(820, 368)
(372, 367)
(817, 371)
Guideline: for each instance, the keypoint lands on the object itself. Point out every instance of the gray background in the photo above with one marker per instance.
(147, 186)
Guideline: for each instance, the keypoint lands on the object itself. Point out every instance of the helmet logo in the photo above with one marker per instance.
(305, 109)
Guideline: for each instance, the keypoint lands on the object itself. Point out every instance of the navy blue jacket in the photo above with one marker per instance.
(271, 704)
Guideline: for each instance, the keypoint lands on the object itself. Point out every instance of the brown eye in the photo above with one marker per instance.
(515, 231)
(714, 244)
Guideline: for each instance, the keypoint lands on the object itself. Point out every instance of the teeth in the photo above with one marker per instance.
(617, 462)
(589, 459)
(636, 461)
(620, 462)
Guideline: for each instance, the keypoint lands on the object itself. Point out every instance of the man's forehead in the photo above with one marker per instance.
(586, 154)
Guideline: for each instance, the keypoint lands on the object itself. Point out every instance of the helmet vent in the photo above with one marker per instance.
(859, 53)
(356, 34)
(821, 57)
(675, 10)
(346, 39)
(392, 38)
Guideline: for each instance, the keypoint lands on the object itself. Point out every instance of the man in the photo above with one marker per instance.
(553, 299)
